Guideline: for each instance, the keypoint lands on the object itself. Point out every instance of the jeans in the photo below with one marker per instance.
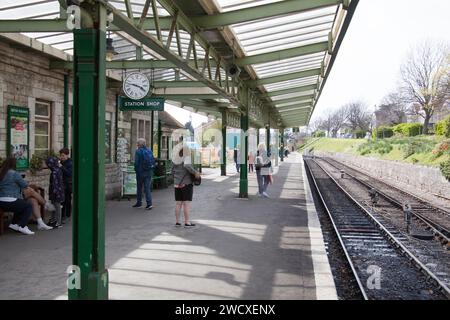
(22, 210)
(238, 167)
(263, 182)
(67, 205)
(56, 215)
(144, 181)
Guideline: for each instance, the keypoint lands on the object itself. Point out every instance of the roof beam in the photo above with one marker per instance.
(60, 25)
(272, 94)
(126, 64)
(260, 12)
(283, 54)
(295, 99)
(121, 21)
(295, 106)
(284, 77)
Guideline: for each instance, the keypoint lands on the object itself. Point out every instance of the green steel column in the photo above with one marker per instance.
(257, 137)
(223, 166)
(243, 182)
(152, 129)
(89, 157)
(268, 138)
(282, 144)
(159, 138)
(66, 111)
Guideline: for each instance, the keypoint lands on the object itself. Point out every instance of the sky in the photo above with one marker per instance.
(380, 37)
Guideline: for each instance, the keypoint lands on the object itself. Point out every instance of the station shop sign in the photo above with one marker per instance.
(146, 104)
(18, 135)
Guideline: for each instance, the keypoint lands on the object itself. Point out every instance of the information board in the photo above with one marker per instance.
(129, 184)
(19, 135)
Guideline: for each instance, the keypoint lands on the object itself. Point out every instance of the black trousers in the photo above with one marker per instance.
(22, 210)
(66, 211)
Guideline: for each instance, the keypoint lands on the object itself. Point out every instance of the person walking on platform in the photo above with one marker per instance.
(183, 178)
(144, 164)
(11, 198)
(237, 156)
(251, 161)
(263, 170)
(66, 168)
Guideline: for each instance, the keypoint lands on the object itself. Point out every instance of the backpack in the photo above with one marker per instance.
(148, 160)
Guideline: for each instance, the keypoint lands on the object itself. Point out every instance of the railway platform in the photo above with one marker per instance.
(255, 248)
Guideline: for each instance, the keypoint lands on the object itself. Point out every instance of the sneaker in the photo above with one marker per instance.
(44, 227)
(14, 227)
(25, 230)
(265, 195)
(148, 207)
(189, 225)
(259, 195)
(177, 224)
(137, 205)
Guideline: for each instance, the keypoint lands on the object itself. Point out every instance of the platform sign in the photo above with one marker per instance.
(146, 104)
(18, 135)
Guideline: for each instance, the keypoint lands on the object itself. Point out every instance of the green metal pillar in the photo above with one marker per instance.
(268, 138)
(243, 182)
(159, 138)
(152, 130)
(223, 166)
(89, 157)
(66, 111)
(257, 137)
(282, 144)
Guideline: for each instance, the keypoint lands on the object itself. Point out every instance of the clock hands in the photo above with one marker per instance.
(138, 86)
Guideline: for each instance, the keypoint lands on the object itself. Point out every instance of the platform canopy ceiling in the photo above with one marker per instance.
(202, 53)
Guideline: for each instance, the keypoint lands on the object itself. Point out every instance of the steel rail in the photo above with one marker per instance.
(439, 230)
(423, 268)
(336, 230)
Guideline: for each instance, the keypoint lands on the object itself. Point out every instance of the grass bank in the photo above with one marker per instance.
(424, 150)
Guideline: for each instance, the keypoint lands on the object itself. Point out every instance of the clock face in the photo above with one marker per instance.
(136, 86)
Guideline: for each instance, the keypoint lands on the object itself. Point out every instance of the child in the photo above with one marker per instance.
(55, 190)
(67, 178)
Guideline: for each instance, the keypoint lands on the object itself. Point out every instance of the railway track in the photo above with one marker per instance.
(383, 267)
(434, 218)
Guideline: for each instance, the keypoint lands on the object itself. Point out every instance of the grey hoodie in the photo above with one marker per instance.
(182, 173)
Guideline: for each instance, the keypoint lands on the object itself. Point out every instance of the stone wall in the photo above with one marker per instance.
(417, 179)
(26, 77)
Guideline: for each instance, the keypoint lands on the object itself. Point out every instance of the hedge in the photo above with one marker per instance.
(442, 128)
(359, 134)
(383, 132)
(445, 169)
(409, 129)
(319, 134)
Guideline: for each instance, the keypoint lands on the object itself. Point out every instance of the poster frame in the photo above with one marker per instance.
(8, 126)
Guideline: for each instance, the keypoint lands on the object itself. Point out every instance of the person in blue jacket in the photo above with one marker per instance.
(143, 166)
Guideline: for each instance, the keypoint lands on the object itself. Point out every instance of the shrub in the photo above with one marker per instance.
(383, 132)
(359, 134)
(441, 149)
(381, 147)
(445, 169)
(319, 134)
(409, 129)
(442, 128)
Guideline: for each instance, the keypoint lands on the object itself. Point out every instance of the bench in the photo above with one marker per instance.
(2, 213)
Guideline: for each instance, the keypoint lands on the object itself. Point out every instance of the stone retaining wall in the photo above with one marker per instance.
(413, 178)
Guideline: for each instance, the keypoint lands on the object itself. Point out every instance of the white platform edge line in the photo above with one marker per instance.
(325, 286)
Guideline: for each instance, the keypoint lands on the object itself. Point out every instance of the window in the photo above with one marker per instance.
(139, 129)
(42, 128)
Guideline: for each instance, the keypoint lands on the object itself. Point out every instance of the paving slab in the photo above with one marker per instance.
(255, 248)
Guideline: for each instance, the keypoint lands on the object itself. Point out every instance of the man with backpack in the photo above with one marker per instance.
(144, 164)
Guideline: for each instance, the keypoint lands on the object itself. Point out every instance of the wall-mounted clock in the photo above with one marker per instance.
(136, 86)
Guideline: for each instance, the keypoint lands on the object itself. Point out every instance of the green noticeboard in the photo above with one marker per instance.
(146, 104)
(129, 184)
(19, 136)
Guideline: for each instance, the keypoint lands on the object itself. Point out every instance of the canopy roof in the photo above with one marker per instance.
(284, 49)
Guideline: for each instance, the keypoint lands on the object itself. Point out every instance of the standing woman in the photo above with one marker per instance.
(183, 173)
(11, 199)
(263, 170)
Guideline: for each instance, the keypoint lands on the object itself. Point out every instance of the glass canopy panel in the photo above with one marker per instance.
(230, 5)
(28, 9)
(292, 95)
